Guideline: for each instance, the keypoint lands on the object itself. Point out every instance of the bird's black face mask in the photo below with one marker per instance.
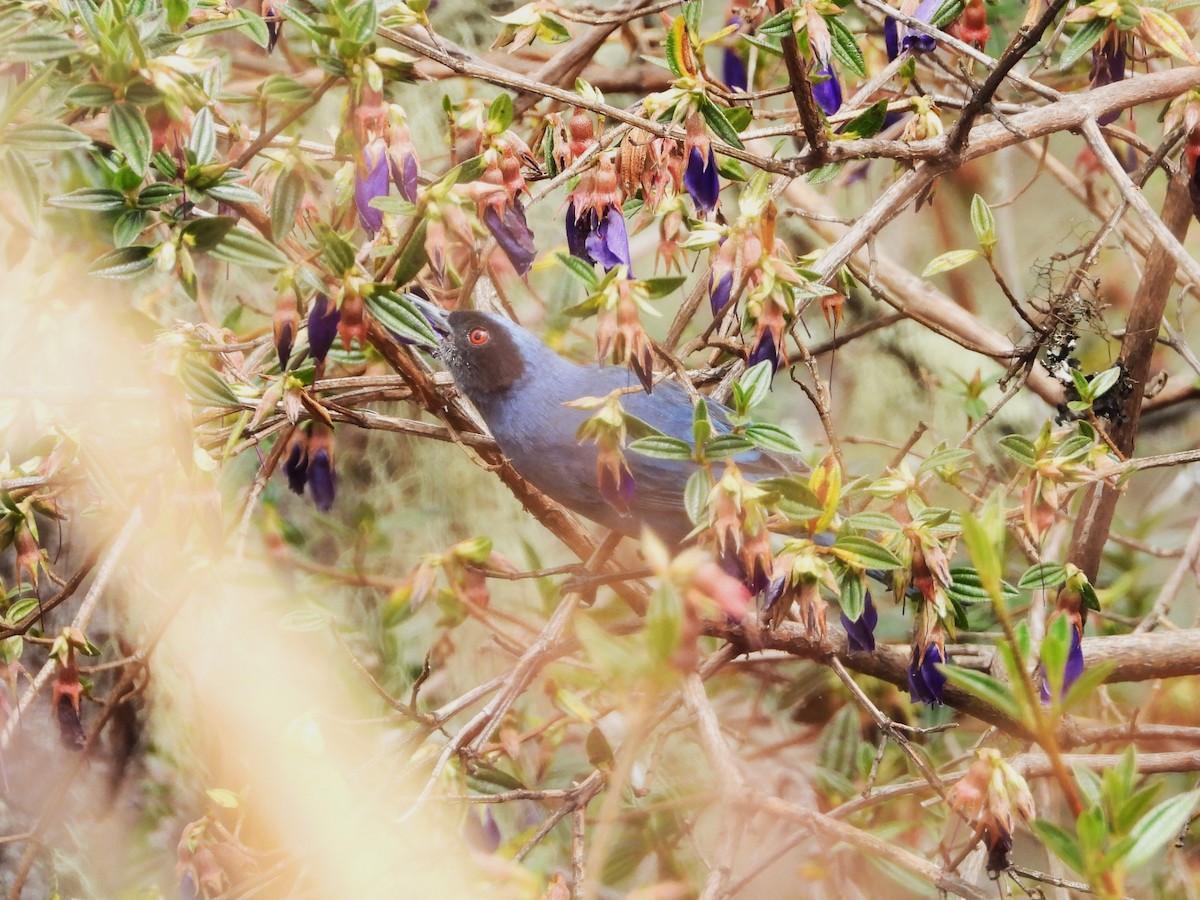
(481, 354)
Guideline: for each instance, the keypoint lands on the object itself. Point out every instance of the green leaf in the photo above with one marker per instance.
(723, 446)
(660, 287)
(234, 193)
(845, 47)
(37, 48)
(1020, 448)
(396, 313)
(755, 384)
(1082, 41)
(853, 596)
(206, 233)
(124, 262)
(1161, 825)
(870, 520)
(950, 260)
(18, 171)
(983, 223)
(129, 227)
(413, 257)
(253, 26)
(984, 554)
(286, 197)
(720, 125)
(244, 248)
(771, 437)
(1060, 842)
(695, 495)
(203, 139)
(1100, 384)
(91, 199)
(864, 553)
(662, 447)
(986, 688)
(1043, 575)
(1086, 684)
(947, 13)
(46, 137)
(159, 194)
(91, 95)
(580, 269)
(500, 113)
(676, 49)
(944, 457)
(869, 122)
(825, 173)
(205, 387)
(131, 135)
(701, 424)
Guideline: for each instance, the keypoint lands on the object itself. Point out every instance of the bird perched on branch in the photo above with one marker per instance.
(521, 388)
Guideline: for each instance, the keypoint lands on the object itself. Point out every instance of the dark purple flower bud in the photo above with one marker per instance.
(860, 635)
(578, 229)
(322, 483)
(915, 41)
(764, 349)
(512, 233)
(925, 680)
(371, 181)
(323, 318)
(404, 174)
(701, 181)
(774, 593)
(295, 464)
(891, 38)
(321, 480)
(828, 93)
(721, 292)
(608, 244)
(733, 70)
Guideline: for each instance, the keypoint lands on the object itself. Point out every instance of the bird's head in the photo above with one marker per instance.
(487, 354)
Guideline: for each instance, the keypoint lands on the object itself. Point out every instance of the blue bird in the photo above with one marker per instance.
(520, 386)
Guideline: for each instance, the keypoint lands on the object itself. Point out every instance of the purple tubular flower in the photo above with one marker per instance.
(404, 174)
(512, 233)
(733, 70)
(608, 243)
(371, 181)
(701, 180)
(295, 467)
(578, 229)
(764, 349)
(915, 41)
(617, 488)
(925, 681)
(1071, 671)
(321, 480)
(891, 38)
(721, 292)
(860, 635)
(323, 318)
(828, 93)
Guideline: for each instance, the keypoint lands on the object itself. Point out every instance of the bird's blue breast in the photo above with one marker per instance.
(538, 433)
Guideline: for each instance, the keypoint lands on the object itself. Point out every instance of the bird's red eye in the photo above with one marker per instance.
(478, 336)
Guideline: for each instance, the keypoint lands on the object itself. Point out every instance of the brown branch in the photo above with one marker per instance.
(1099, 502)
(810, 116)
